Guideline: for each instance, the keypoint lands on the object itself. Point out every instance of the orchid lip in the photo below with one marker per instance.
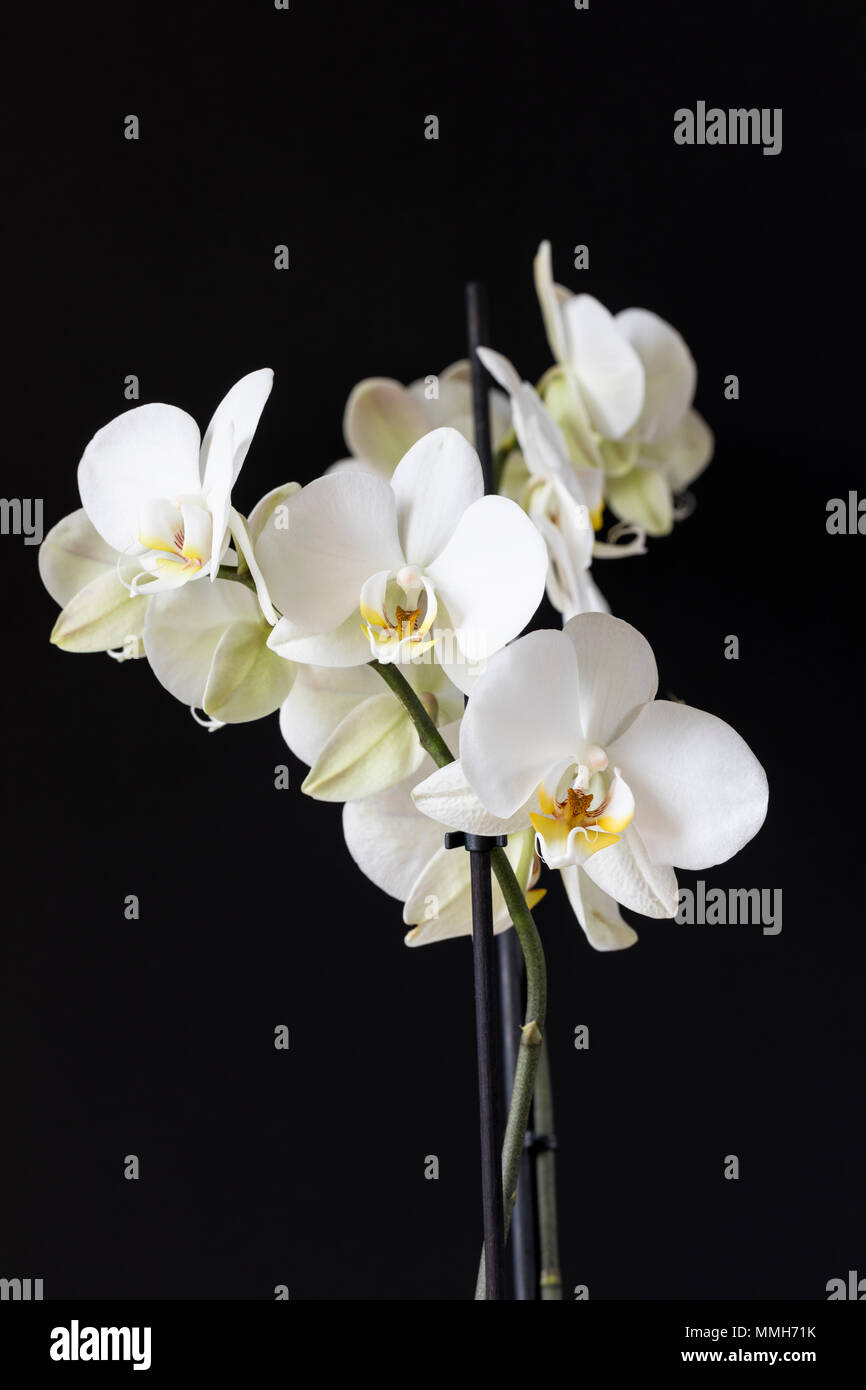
(392, 628)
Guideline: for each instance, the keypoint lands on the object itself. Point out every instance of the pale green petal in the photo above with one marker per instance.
(320, 699)
(382, 421)
(71, 555)
(685, 455)
(101, 616)
(514, 477)
(246, 679)
(620, 456)
(643, 497)
(372, 748)
(453, 405)
(560, 392)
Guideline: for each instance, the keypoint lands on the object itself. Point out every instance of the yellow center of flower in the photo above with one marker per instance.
(407, 620)
(585, 811)
(410, 625)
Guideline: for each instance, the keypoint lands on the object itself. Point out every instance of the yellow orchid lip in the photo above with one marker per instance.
(372, 617)
(172, 546)
(556, 837)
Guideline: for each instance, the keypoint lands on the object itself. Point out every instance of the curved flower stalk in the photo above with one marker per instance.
(424, 568)
(622, 393)
(357, 737)
(383, 418)
(156, 491)
(563, 733)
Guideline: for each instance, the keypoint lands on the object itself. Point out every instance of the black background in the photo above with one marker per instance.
(155, 1037)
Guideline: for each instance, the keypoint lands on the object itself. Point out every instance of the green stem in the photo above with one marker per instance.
(431, 739)
(229, 572)
(531, 1036)
(545, 1184)
(529, 1052)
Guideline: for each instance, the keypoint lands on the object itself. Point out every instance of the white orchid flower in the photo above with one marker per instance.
(154, 490)
(447, 798)
(623, 394)
(403, 853)
(563, 732)
(564, 504)
(207, 644)
(80, 573)
(354, 734)
(383, 418)
(422, 568)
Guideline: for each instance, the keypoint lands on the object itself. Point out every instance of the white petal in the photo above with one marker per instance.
(597, 913)
(439, 906)
(627, 874)
(616, 674)
(341, 529)
(700, 792)
(434, 483)
(71, 555)
(389, 840)
(236, 417)
(183, 629)
(197, 534)
(609, 370)
(244, 542)
(150, 451)
(550, 298)
(671, 374)
(523, 716)
(500, 369)
(446, 796)
(570, 545)
(381, 421)
(540, 438)
(320, 698)
(490, 576)
(343, 646)
(264, 510)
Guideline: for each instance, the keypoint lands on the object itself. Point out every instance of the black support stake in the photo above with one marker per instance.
(485, 951)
